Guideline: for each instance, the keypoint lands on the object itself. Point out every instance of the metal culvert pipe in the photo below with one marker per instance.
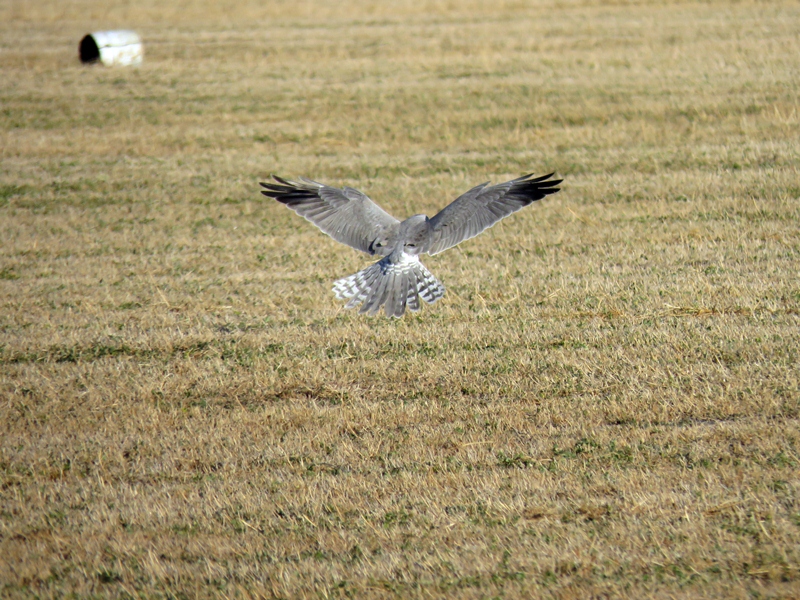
(112, 48)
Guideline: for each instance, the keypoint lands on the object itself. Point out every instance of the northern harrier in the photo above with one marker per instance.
(398, 280)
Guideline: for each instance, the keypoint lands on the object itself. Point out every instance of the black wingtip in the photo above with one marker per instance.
(542, 179)
(276, 178)
(535, 188)
(277, 190)
(271, 190)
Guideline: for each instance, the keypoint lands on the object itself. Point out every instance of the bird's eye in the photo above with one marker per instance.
(411, 245)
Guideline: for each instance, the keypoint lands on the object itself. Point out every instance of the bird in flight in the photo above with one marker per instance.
(398, 280)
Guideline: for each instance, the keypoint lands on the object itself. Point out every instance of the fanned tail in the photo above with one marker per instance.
(395, 285)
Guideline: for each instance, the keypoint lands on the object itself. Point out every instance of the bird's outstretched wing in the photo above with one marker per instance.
(347, 215)
(482, 206)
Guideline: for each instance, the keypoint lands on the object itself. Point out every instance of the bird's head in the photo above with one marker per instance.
(413, 233)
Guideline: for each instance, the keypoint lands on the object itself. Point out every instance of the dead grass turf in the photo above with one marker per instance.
(605, 403)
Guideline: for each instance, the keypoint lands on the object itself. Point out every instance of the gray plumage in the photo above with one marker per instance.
(398, 280)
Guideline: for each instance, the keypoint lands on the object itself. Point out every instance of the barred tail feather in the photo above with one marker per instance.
(377, 296)
(428, 287)
(412, 298)
(355, 288)
(401, 300)
(393, 285)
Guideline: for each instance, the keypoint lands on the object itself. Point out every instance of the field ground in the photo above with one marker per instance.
(606, 402)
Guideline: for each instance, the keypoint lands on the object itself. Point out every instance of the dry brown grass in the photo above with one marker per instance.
(605, 403)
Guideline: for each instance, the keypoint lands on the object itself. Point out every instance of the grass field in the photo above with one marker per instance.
(606, 403)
